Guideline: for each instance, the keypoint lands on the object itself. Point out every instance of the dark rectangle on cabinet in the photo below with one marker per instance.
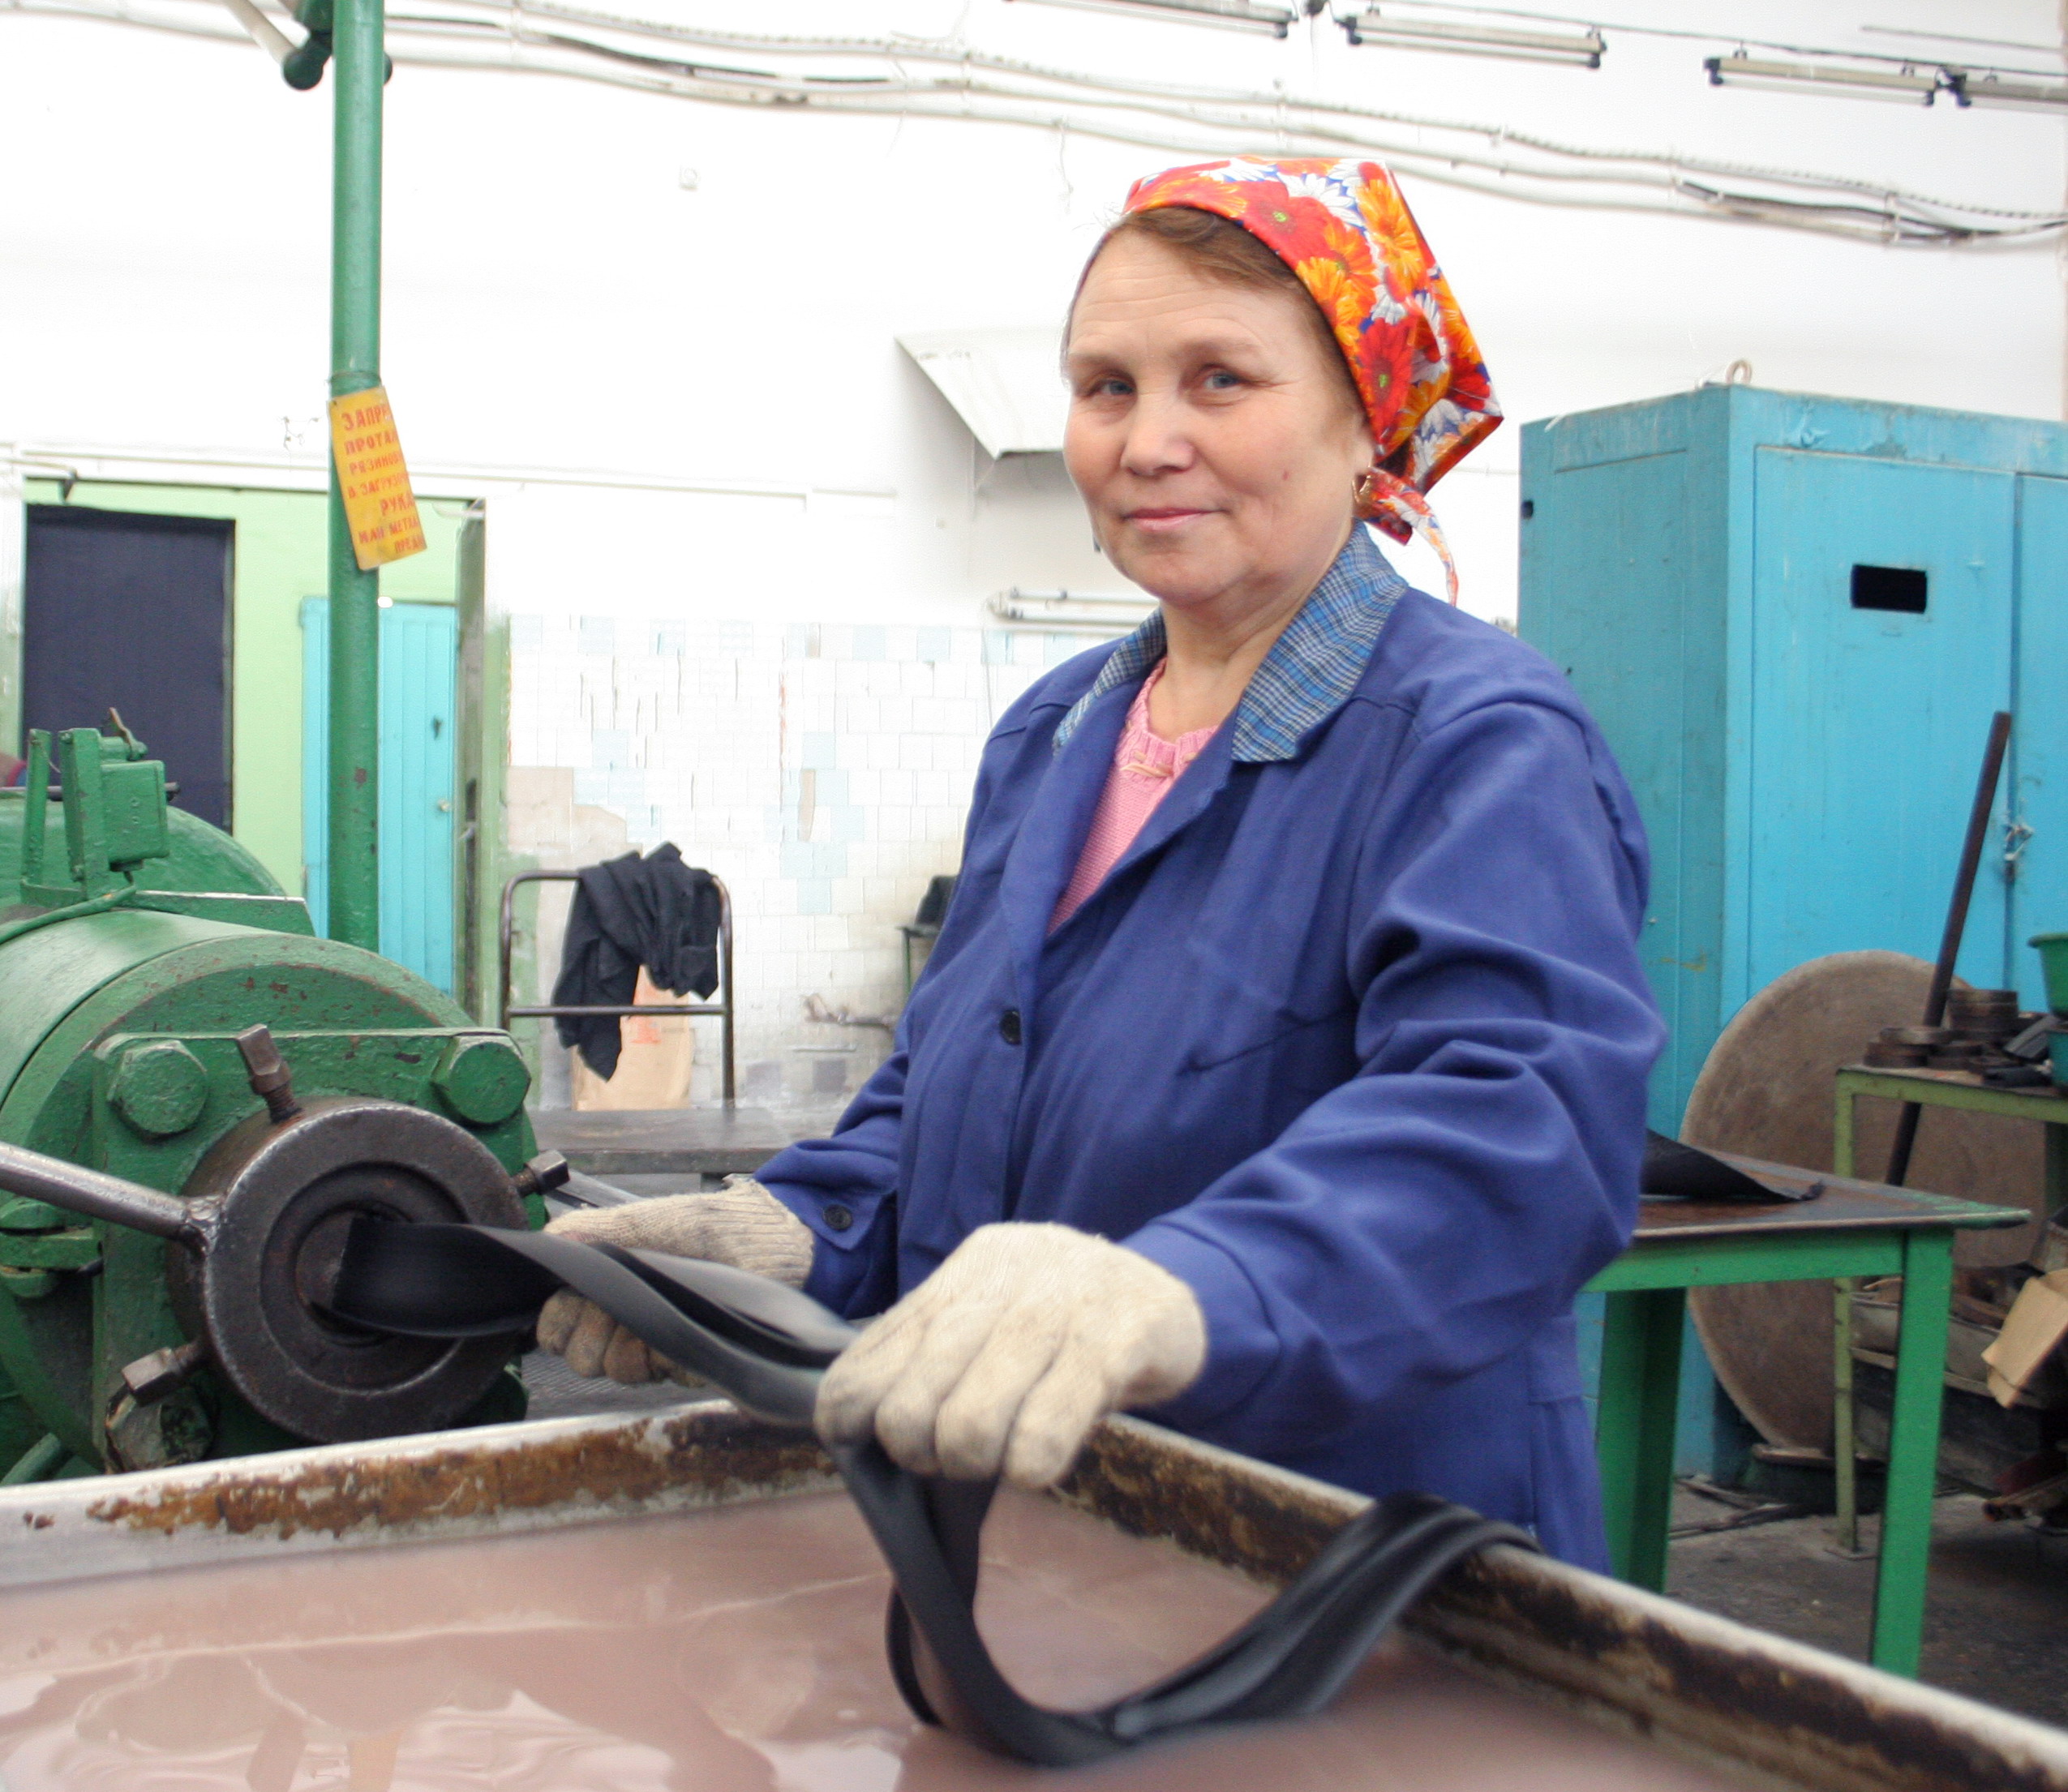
(1899, 588)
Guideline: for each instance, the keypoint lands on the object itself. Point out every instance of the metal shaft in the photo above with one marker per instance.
(1956, 925)
(359, 65)
(94, 1194)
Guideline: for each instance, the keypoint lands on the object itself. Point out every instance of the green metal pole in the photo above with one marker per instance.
(359, 67)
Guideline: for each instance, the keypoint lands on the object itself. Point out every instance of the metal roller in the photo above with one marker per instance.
(260, 1227)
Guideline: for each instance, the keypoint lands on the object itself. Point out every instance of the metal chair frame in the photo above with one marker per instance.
(721, 1010)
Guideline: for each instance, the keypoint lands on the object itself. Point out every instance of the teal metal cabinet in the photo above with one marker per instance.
(419, 647)
(1793, 617)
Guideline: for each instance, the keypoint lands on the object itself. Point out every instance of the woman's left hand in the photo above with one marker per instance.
(1004, 1359)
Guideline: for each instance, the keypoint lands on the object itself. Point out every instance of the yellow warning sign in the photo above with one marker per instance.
(379, 505)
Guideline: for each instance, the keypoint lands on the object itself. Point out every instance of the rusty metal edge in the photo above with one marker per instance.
(1709, 1687)
(496, 1480)
(1718, 1691)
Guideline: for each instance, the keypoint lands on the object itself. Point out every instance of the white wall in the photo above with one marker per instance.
(557, 304)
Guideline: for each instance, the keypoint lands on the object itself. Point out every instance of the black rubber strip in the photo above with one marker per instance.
(1673, 1169)
(767, 1345)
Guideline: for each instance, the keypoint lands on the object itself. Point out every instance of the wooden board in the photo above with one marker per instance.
(1767, 1092)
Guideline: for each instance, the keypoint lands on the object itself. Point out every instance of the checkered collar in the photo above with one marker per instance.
(1309, 672)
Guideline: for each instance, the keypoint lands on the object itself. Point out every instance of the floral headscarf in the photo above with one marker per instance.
(1343, 229)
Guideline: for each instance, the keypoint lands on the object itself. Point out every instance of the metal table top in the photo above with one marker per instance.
(661, 1140)
(1846, 1205)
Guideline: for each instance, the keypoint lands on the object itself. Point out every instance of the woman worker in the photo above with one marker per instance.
(1280, 1068)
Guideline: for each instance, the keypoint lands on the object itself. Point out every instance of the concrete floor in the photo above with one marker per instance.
(1997, 1618)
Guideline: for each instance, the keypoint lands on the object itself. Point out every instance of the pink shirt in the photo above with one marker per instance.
(1144, 767)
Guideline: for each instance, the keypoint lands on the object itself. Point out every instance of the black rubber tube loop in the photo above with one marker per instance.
(767, 1345)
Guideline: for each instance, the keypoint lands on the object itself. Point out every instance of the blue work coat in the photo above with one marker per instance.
(1353, 1040)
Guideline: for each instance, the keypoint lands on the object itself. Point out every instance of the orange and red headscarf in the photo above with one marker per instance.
(1343, 229)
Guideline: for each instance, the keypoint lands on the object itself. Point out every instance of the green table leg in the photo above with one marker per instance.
(1633, 1429)
(1845, 1410)
(1913, 1451)
(1845, 1447)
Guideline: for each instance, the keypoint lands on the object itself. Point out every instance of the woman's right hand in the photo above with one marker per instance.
(741, 1225)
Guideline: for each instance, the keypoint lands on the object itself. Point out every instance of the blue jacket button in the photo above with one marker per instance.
(1009, 1026)
(838, 1218)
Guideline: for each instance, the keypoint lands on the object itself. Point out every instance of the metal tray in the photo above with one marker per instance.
(1714, 1691)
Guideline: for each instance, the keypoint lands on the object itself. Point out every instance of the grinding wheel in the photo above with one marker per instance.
(1767, 1091)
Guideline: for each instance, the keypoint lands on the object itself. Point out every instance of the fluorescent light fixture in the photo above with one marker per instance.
(1071, 612)
(1576, 48)
(1744, 70)
(1994, 90)
(1233, 14)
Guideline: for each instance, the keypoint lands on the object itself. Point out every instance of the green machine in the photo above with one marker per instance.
(196, 1098)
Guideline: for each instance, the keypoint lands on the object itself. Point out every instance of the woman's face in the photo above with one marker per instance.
(1216, 446)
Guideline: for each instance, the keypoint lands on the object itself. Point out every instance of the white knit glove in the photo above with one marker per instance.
(741, 1225)
(1007, 1355)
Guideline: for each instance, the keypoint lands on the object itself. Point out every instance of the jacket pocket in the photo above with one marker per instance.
(1234, 1017)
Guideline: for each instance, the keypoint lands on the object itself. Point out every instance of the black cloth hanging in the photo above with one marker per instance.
(655, 911)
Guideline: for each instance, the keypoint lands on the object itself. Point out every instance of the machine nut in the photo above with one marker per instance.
(481, 1079)
(160, 1087)
(546, 1171)
(270, 1079)
(150, 1378)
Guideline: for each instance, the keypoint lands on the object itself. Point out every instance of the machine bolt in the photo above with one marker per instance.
(160, 1087)
(22, 1214)
(547, 1170)
(482, 1078)
(269, 1077)
(150, 1378)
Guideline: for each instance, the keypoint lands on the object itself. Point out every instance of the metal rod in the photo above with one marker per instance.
(354, 828)
(644, 1009)
(506, 944)
(265, 34)
(725, 971)
(1956, 924)
(96, 1194)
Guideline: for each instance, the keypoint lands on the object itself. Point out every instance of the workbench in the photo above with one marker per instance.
(1964, 1090)
(1958, 1089)
(1851, 1229)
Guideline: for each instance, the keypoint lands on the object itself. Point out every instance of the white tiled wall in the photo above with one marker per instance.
(822, 770)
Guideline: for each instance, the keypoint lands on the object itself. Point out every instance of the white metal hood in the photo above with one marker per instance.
(1006, 385)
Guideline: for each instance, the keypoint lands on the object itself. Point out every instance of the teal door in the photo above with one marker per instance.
(2038, 773)
(418, 655)
(1881, 645)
